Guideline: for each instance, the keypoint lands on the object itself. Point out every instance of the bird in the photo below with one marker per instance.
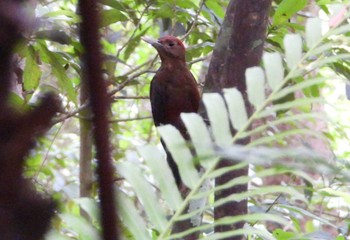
(173, 90)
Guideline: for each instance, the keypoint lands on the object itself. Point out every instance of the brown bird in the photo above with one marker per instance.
(173, 90)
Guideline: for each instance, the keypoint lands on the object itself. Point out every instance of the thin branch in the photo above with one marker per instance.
(129, 119)
(137, 68)
(198, 60)
(65, 116)
(135, 30)
(126, 82)
(74, 113)
(131, 97)
(36, 175)
(194, 23)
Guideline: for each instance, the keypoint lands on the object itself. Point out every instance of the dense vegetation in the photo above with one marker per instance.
(298, 153)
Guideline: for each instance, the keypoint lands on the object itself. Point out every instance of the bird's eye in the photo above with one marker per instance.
(171, 44)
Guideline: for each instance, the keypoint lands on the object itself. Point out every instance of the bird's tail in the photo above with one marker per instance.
(172, 165)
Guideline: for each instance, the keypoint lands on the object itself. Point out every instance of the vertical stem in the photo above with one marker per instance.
(99, 102)
(85, 158)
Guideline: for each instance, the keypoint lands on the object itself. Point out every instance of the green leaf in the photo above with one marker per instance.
(53, 234)
(304, 84)
(133, 175)
(313, 31)
(340, 238)
(130, 216)
(81, 226)
(90, 206)
(17, 102)
(274, 69)
(331, 192)
(123, 7)
(54, 35)
(63, 13)
(293, 48)
(308, 214)
(286, 120)
(218, 117)
(57, 68)
(112, 16)
(234, 219)
(200, 138)
(133, 43)
(279, 234)
(300, 103)
(236, 108)
(286, 9)
(216, 8)
(31, 72)
(163, 175)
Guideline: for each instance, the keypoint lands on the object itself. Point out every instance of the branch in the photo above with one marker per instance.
(129, 119)
(131, 97)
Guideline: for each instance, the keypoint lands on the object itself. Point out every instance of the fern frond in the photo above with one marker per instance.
(210, 144)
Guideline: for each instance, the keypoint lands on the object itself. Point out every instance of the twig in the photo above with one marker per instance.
(65, 116)
(36, 175)
(198, 60)
(125, 83)
(129, 119)
(135, 30)
(137, 68)
(131, 97)
(194, 23)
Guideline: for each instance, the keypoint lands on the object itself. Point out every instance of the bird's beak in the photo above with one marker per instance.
(153, 42)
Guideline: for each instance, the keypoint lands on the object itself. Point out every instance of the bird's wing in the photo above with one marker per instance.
(157, 97)
(196, 95)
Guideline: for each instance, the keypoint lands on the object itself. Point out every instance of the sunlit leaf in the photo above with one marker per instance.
(216, 8)
(274, 69)
(313, 31)
(90, 206)
(218, 117)
(131, 217)
(236, 108)
(200, 137)
(57, 68)
(81, 226)
(181, 154)
(31, 72)
(255, 80)
(143, 189)
(112, 16)
(293, 49)
(286, 9)
(162, 173)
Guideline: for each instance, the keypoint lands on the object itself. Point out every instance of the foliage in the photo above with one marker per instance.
(303, 70)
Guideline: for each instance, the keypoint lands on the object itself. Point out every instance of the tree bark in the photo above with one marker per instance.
(239, 46)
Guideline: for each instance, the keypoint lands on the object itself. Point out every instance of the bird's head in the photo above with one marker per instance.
(168, 47)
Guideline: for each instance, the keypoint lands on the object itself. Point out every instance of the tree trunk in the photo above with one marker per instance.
(239, 46)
